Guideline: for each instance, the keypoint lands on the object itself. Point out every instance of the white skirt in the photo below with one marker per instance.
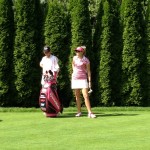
(79, 84)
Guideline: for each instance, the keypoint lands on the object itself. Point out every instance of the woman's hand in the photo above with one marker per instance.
(90, 84)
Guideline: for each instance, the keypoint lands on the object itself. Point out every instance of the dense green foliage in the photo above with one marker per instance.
(96, 51)
(147, 11)
(116, 34)
(6, 51)
(26, 59)
(107, 50)
(133, 55)
(105, 54)
(80, 24)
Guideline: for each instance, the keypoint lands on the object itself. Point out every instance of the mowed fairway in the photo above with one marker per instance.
(113, 129)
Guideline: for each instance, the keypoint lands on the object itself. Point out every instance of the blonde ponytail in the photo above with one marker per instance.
(84, 47)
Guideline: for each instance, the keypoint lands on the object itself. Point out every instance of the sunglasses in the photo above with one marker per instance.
(46, 52)
(77, 51)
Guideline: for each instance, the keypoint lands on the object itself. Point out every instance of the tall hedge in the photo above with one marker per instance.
(6, 51)
(26, 59)
(69, 29)
(80, 25)
(133, 55)
(107, 50)
(96, 50)
(57, 33)
(147, 12)
(116, 52)
(105, 56)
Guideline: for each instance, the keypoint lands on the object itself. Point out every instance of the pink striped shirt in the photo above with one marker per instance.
(79, 68)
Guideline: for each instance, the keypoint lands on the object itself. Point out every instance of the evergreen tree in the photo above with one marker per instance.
(147, 14)
(133, 56)
(6, 51)
(39, 30)
(105, 55)
(26, 61)
(93, 10)
(116, 52)
(80, 25)
(57, 32)
(96, 50)
(107, 29)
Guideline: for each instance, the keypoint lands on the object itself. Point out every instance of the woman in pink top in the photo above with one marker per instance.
(81, 80)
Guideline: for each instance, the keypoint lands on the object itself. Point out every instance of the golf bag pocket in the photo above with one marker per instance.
(43, 102)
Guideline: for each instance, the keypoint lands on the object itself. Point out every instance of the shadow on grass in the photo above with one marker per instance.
(1, 120)
(67, 115)
(116, 114)
(84, 114)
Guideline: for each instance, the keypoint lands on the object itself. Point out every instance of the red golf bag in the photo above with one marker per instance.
(49, 101)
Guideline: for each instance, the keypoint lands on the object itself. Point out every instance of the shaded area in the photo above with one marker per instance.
(116, 114)
(84, 114)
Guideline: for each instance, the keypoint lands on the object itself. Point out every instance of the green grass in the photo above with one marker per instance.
(116, 128)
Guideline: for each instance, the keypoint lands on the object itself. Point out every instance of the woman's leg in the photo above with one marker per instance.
(86, 99)
(78, 102)
(87, 103)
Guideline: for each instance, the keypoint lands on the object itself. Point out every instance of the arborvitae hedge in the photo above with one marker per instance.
(57, 31)
(80, 25)
(147, 19)
(6, 52)
(96, 51)
(116, 51)
(105, 56)
(107, 49)
(133, 56)
(132, 64)
(26, 64)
